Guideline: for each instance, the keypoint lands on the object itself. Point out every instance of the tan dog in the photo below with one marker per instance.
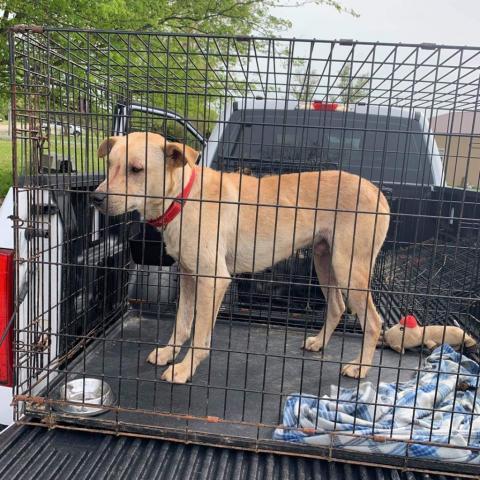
(247, 224)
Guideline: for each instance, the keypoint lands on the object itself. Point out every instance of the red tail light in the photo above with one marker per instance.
(6, 312)
(328, 106)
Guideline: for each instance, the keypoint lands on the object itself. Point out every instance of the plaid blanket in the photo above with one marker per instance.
(440, 405)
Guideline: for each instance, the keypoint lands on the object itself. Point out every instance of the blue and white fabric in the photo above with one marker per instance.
(428, 408)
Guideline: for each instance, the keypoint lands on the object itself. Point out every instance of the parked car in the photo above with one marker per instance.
(60, 128)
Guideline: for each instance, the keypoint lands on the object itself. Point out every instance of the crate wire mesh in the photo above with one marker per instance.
(96, 293)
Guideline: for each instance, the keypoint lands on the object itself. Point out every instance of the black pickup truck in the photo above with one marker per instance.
(390, 147)
(427, 218)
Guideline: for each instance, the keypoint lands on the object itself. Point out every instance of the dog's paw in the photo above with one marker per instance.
(177, 373)
(160, 356)
(355, 370)
(313, 344)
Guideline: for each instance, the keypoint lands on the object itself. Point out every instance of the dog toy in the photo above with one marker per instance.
(409, 334)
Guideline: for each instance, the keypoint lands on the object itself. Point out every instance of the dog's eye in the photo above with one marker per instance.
(402, 329)
(136, 169)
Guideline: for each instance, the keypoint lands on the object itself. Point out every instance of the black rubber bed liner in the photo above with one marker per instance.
(36, 452)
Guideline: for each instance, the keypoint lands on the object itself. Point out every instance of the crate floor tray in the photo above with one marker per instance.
(245, 381)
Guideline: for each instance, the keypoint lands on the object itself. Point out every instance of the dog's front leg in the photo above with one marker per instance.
(210, 293)
(183, 324)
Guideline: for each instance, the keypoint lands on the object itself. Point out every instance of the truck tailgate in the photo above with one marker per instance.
(35, 452)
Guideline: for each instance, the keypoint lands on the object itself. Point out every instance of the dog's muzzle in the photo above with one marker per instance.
(97, 199)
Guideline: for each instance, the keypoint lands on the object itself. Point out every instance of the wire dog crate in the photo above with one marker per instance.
(97, 293)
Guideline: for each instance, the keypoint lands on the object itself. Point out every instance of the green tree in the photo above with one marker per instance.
(226, 17)
(305, 86)
(348, 89)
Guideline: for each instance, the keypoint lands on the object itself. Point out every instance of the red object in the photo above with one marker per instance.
(409, 321)
(176, 206)
(6, 312)
(328, 106)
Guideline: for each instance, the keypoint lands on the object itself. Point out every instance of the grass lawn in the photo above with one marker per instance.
(5, 166)
(76, 153)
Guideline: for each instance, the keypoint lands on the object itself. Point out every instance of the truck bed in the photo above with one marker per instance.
(35, 452)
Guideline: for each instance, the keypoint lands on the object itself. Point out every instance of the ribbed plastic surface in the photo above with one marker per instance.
(34, 452)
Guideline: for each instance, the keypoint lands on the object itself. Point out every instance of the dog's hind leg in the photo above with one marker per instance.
(211, 289)
(333, 296)
(183, 323)
(362, 303)
(354, 276)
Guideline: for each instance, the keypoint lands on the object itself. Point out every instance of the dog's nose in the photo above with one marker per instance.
(97, 198)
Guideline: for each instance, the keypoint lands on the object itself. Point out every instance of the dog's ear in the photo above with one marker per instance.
(106, 146)
(180, 154)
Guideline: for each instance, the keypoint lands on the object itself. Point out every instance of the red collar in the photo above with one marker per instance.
(176, 206)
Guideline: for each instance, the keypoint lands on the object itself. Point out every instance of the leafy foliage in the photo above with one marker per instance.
(305, 86)
(345, 89)
(225, 17)
(350, 89)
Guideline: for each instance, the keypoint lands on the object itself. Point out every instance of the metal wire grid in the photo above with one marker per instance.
(77, 78)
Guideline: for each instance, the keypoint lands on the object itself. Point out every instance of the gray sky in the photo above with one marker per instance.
(454, 22)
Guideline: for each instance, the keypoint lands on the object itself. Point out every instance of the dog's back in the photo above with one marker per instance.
(272, 217)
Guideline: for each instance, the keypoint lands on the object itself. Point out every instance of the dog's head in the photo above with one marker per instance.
(143, 168)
